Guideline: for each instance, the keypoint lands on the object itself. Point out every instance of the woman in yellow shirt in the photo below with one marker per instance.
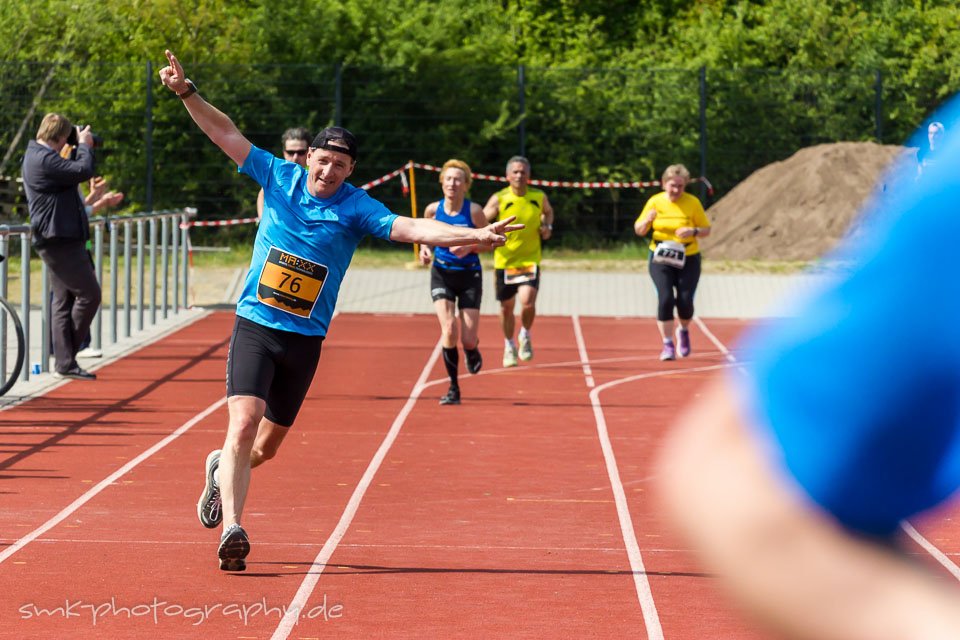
(677, 219)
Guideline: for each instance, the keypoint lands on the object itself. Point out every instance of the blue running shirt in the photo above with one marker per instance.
(859, 394)
(303, 247)
(442, 256)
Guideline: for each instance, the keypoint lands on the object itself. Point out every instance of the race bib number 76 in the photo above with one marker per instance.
(290, 283)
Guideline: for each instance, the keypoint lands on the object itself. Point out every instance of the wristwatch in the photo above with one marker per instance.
(191, 89)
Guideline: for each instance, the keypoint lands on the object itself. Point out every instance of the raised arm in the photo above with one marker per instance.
(436, 233)
(213, 122)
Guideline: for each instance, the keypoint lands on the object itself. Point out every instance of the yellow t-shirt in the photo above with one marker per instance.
(685, 212)
(522, 247)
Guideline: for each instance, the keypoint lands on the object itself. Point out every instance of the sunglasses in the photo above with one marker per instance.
(295, 152)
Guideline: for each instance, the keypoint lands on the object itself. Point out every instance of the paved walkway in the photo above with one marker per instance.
(364, 290)
(585, 293)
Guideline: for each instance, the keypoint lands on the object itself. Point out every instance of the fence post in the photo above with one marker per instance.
(114, 281)
(149, 137)
(96, 339)
(338, 95)
(185, 258)
(25, 301)
(522, 103)
(127, 278)
(44, 317)
(703, 131)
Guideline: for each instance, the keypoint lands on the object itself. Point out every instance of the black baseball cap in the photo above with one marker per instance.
(337, 139)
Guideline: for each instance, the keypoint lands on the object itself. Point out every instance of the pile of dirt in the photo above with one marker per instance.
(798, 209)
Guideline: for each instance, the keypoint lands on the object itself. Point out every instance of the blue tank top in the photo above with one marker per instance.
(442, 256)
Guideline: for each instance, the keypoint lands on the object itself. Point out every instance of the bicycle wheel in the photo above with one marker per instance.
(10, 345)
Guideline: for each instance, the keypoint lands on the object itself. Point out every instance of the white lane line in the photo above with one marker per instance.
(722, 347)
(299, 602)
(642, 586)
(106, 482)
(938, 555)
(582, 348)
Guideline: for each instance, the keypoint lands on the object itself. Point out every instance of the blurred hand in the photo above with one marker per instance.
(462, 250)
(85, 136)
(109, 199)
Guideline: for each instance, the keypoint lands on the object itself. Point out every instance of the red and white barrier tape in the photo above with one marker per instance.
(216, 223)
(382, 179)
(639, 184)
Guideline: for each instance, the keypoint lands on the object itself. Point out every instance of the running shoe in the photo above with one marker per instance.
(234, 547)
(669, 351)
(526, 347)
(509, 356)
(452, 397)
(473, 359)
(683, 342)
(208, 507)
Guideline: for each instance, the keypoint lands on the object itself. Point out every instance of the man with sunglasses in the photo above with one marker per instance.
(312, 223)
(296, 143)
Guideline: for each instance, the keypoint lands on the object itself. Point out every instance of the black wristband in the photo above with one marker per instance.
(696, 231)
(191, 89)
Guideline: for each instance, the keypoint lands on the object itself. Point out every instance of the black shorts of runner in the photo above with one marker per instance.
(275, 366)
(508, 291)
(461, 285)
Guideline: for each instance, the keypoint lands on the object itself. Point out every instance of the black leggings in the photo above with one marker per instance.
(666, 279)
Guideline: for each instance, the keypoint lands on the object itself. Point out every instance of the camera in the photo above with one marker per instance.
(74, 138)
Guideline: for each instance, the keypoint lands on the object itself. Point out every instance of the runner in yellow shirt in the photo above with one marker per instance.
(517, 263)
(677, 219)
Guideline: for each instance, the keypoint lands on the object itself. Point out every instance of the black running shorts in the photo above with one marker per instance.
(508, 291)
(461, 285)
(275, 366)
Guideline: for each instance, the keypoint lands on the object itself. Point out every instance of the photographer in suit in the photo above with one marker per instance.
(60, 227)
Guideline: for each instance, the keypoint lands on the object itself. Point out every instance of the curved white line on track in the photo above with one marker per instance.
(299, 602)
(106, 482)
(644, 595)
(928, 546)
(723, 348)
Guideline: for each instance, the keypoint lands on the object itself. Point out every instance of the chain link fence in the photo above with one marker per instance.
(573, 124)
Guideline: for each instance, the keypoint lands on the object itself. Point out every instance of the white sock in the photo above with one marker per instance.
(510, 342)
(524, 333)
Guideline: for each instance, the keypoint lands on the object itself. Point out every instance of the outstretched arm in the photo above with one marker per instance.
(213, 122)
(441, 234)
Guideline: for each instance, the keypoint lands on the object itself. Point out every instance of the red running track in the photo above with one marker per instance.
(523, 513)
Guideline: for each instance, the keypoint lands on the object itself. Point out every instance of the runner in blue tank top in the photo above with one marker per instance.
(792, 479)
(312, 222)
(456, 276)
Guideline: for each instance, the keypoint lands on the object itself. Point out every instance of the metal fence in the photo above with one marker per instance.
(146, 256)
(574, 124)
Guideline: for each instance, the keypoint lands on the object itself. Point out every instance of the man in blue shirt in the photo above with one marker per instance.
(791, 475)
(312, 222)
